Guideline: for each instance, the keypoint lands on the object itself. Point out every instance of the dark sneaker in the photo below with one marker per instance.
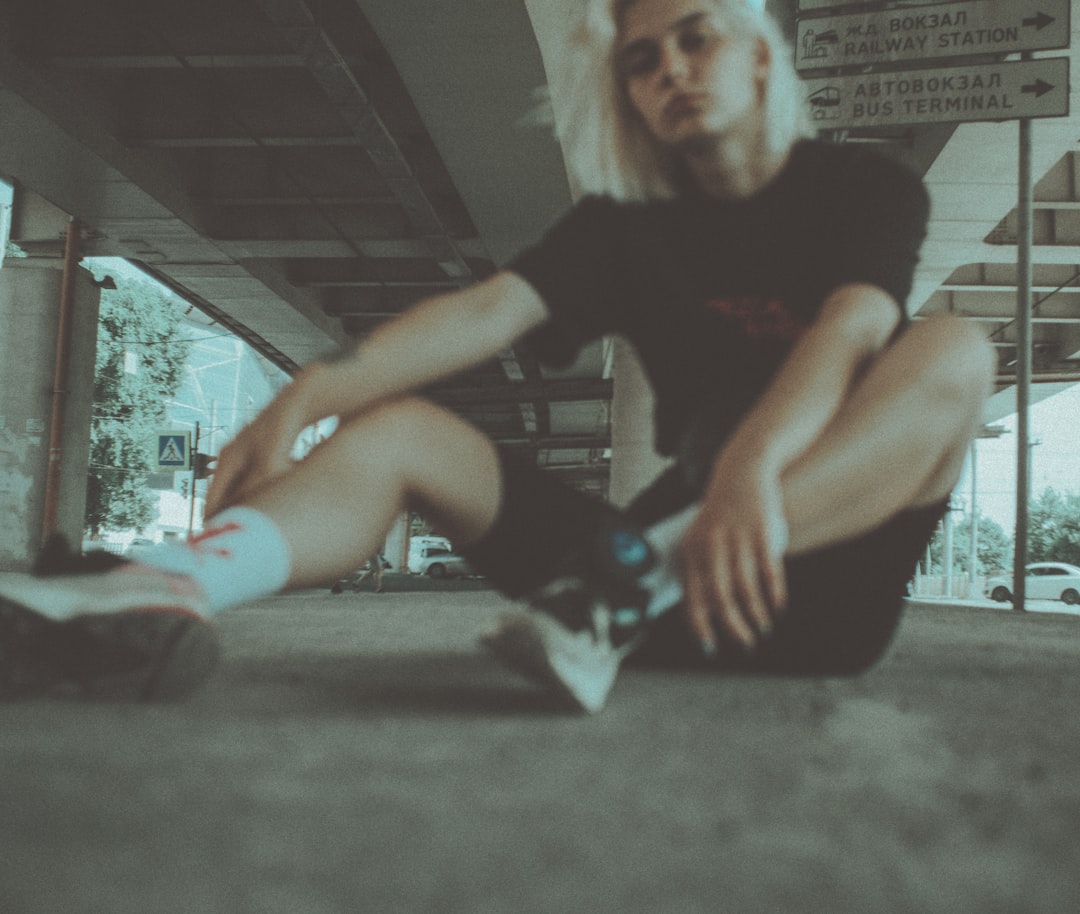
(57, 557)
(579, 627)
(130, 632)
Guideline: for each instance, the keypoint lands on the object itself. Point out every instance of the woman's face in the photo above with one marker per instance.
(684, 77)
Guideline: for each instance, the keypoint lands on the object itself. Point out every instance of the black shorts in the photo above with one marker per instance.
(845, 600)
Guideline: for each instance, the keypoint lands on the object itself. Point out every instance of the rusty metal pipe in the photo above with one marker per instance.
(60, 378)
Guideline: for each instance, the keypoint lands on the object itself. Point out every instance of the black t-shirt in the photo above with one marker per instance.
(713, 293)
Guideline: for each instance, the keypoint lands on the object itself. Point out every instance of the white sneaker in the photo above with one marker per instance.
(580, 663)
(130, 632)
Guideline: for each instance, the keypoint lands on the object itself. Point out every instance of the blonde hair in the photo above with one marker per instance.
(607, 148)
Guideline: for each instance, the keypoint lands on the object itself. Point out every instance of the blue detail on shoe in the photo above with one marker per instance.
(626, 617)
(629, 548)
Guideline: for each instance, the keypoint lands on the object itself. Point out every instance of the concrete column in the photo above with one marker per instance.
(634, 461)
(396, 548)
(29, 306)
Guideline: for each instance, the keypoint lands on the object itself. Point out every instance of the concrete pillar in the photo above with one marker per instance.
(29, 306)
(634, 461)
(396, 548)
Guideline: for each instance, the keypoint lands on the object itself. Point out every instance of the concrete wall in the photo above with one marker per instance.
(29, 306)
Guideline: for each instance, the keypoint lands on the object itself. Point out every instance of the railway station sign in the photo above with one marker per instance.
(987, 92)
(931, 32)
(804, 5)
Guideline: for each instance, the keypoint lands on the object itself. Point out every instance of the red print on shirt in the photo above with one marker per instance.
(759, 318)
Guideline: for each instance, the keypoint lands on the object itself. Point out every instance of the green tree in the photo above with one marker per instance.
(1054, 528)
(140, 363)
(993, 547)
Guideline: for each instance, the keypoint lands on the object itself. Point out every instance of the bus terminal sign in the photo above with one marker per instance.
(987, 92)
(931, 32)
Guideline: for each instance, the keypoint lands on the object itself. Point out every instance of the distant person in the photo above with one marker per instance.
(374, 566)
(374, 569)
(816, 431)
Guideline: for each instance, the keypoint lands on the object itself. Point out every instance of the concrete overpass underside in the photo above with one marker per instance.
(304, 170)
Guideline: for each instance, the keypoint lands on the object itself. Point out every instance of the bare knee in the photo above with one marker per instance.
(433, 460)
(954, 363)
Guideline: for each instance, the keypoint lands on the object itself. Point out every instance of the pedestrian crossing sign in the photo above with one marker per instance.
(173, 451)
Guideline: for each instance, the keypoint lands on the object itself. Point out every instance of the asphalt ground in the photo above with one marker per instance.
(358, 753)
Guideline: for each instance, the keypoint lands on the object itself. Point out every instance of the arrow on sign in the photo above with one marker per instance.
(1040, 21)
(1038, 88)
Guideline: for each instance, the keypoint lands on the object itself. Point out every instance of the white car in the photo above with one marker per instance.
(437, 562)
(419, 549)
(1043, 581)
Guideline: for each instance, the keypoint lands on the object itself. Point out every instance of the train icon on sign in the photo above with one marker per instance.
(817, 44)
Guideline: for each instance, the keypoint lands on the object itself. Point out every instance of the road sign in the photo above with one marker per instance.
(929, 32)
(173, 450)
(988, 92)
(804, 5)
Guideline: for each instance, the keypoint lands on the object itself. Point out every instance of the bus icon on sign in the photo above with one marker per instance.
(826, 104)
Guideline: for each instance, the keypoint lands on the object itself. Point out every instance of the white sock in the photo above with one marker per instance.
(240, 556)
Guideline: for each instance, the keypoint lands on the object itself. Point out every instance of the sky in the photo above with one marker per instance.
(1055, 458)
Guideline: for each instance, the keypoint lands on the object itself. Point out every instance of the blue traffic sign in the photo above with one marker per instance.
(173, 450)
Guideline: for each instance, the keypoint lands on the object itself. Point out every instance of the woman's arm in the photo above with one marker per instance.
(434, 339)
(733, 552)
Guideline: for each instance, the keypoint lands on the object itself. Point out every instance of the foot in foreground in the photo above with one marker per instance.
(581, 626)
(100, 627)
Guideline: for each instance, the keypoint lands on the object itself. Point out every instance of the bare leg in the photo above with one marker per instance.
(359, 579)
(335, 506)
(898, 442)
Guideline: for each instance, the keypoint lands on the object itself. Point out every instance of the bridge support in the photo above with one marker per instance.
(30, 294)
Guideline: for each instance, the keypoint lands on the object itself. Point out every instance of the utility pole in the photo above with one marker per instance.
(973, 537)
(194, 477)
(1024, 239)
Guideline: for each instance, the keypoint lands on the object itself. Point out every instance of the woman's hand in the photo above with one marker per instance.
(262, 450)
(733, 554)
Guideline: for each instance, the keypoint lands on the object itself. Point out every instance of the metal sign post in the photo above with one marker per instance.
(1023, 363)
(194, 469)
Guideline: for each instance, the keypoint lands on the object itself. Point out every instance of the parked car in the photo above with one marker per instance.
(1043, 581)
(441, 563)
(421, 546)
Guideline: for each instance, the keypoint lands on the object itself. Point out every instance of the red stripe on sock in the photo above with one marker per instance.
(212, 532)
